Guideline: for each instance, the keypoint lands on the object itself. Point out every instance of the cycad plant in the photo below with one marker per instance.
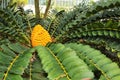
(82, 44)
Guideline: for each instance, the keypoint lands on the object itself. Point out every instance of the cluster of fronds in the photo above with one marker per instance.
(61, 62)
(87, 45)
(12, 24)
(15, 25)
(98, 25)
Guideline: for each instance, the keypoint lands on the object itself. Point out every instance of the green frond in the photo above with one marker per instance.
(97, 26)
(66, 64)
(81, 18)
(53, 26)
(37, 72)
(109, 70)
(14, 58)
(103, 5)
(110, 14)
(12, 24)
(108, 43)
(109, 28)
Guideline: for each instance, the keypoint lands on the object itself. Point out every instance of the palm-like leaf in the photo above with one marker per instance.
(14, 58)
(62, 63)
(97, 26)
(98, 60)
(13, 25)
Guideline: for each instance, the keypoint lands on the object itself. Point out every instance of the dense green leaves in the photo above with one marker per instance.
(98, 60)
(14, 58)
(13, 25)
(37, 71)
(108, 43)
(51, 65)
(59, 61)
(97, 26)
(84, 20)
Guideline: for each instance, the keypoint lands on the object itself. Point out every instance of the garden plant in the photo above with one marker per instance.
(80, 44)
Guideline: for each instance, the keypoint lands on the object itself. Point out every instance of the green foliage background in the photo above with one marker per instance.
(86, 44)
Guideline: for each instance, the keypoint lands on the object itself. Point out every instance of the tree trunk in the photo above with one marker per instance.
(47, 8)
(37, 10)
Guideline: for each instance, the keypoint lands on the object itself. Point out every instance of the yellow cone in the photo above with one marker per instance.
(40, 36)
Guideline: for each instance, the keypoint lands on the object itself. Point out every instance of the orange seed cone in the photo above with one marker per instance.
(40, 36)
